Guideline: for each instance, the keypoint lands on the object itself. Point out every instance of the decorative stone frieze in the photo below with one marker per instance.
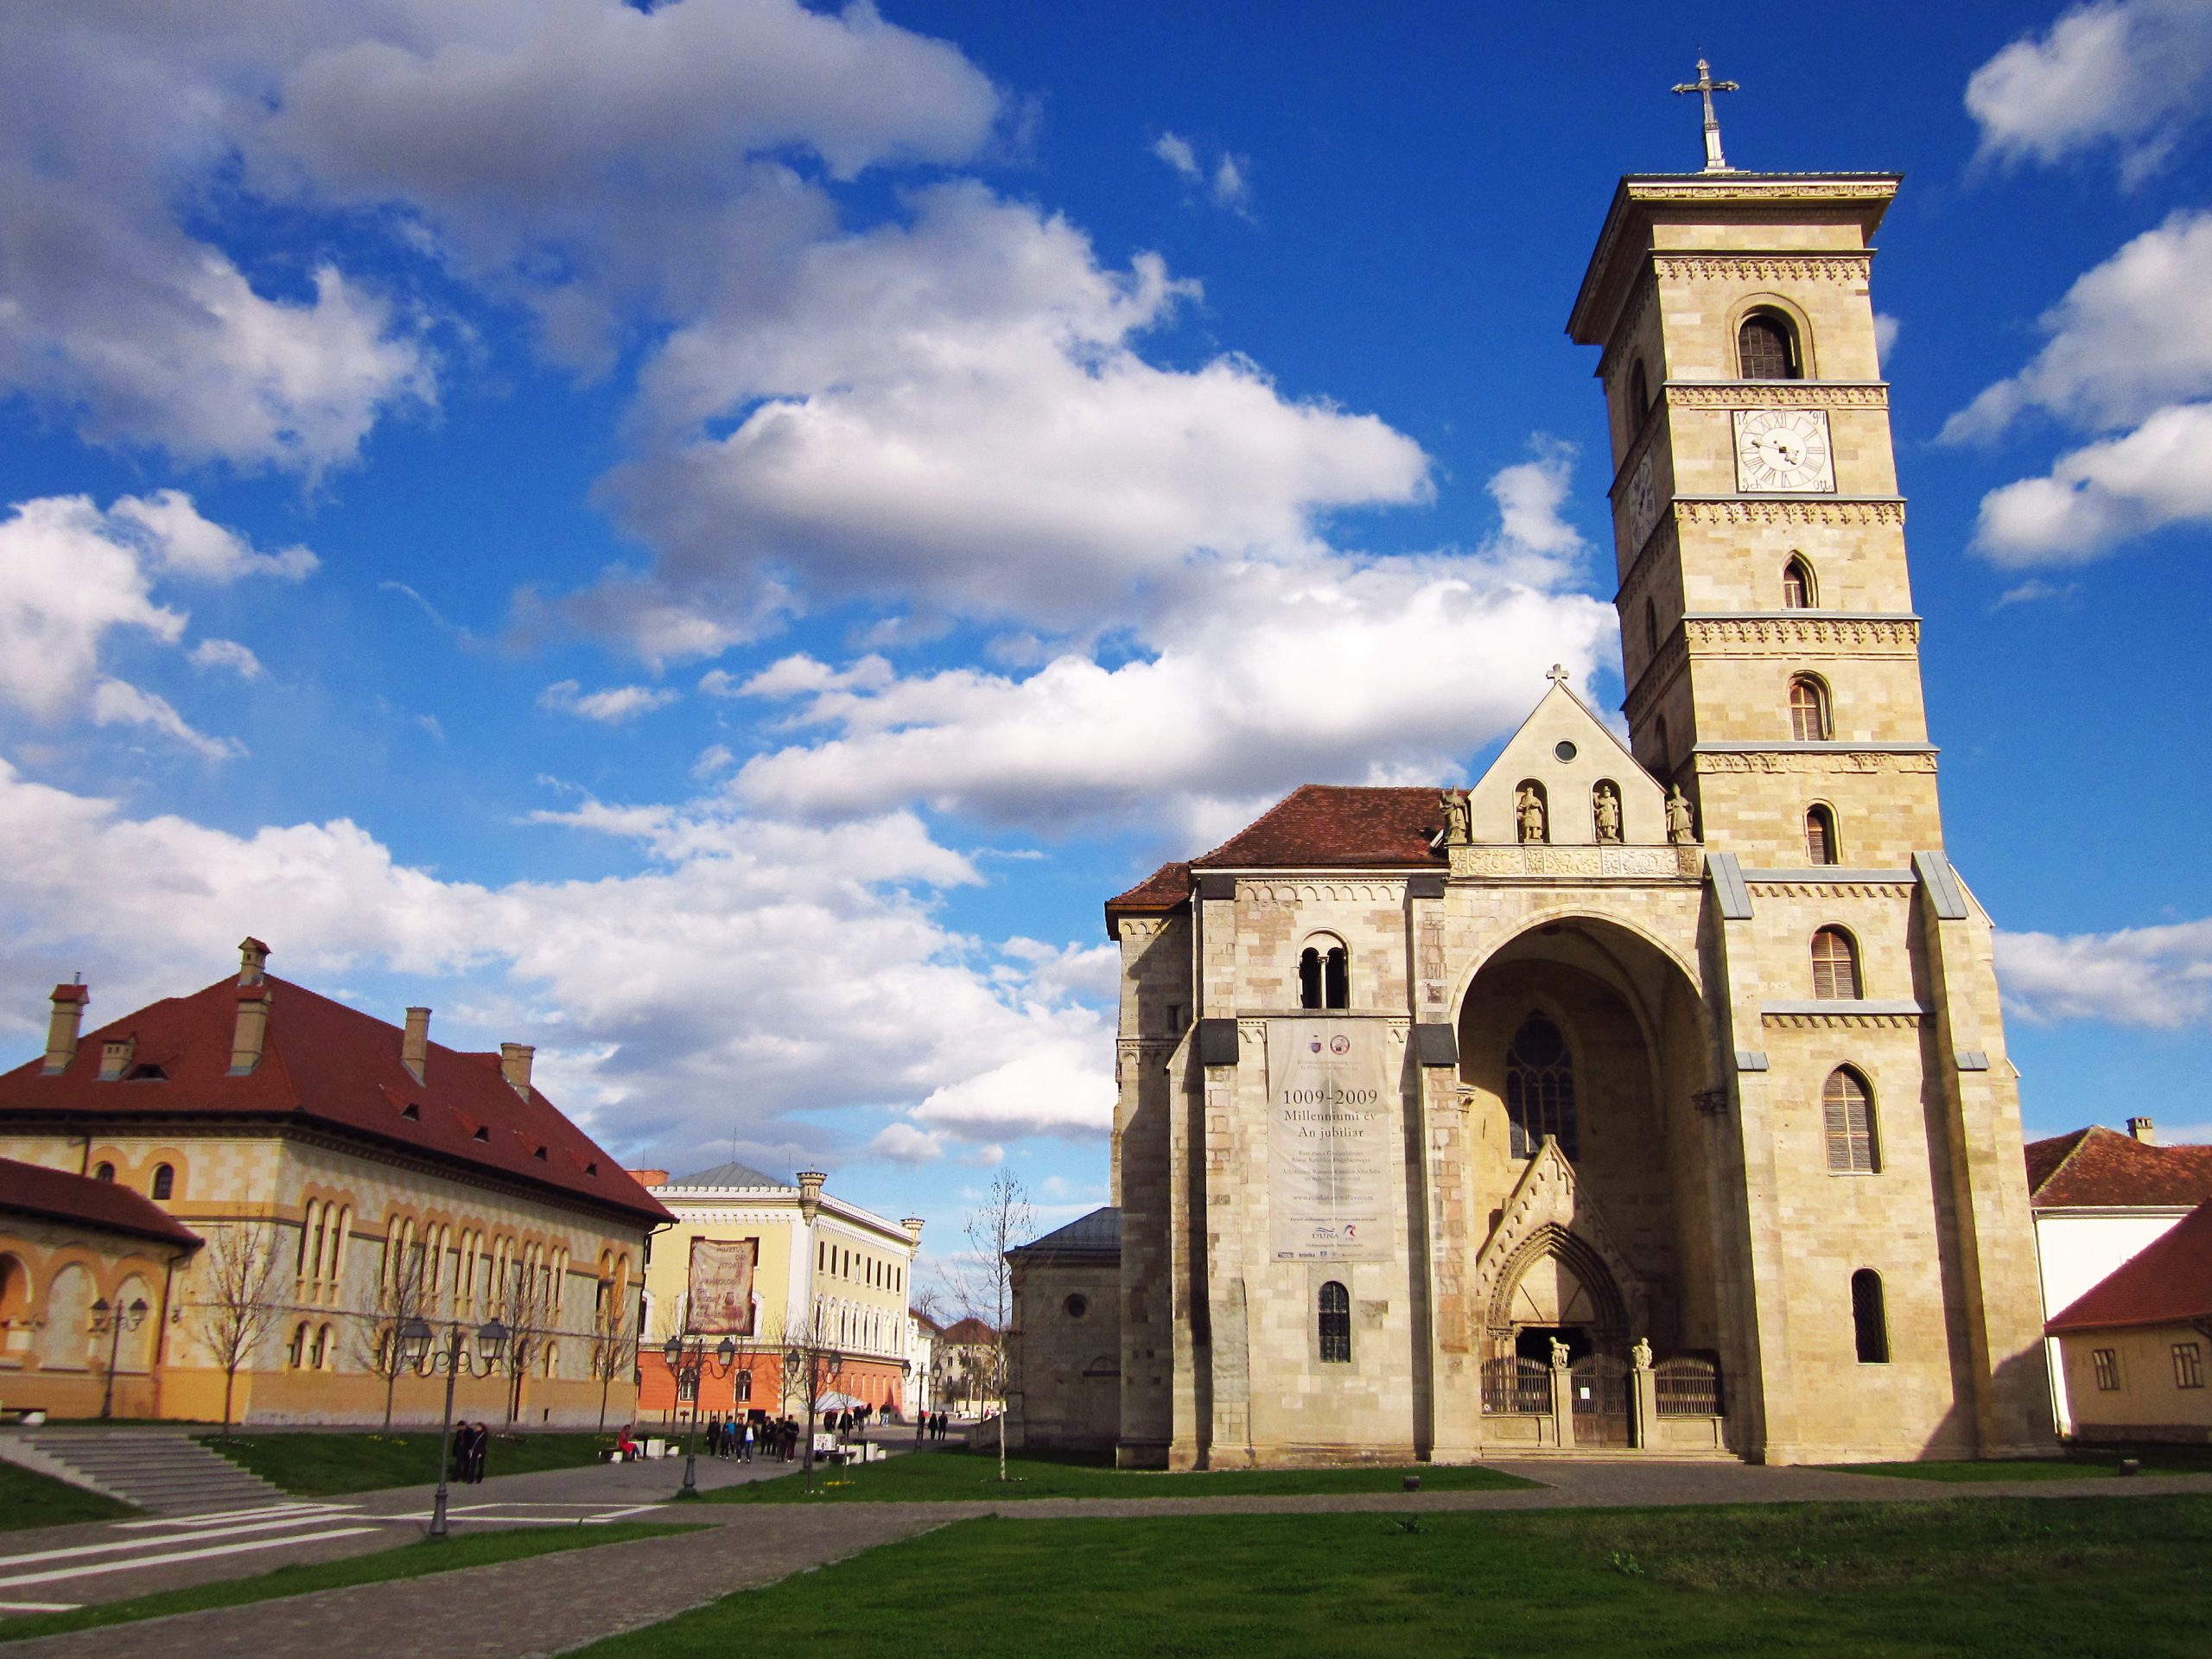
(1814, 762)
(1262, 893)
(1733, 510)
(1806, 630)
(1776, 394)
(1539, 861)
(1843, 1019)
(1764, 267)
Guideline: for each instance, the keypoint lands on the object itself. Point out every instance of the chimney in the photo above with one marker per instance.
(415, 1042)
(115, 1056)
(514, 1066)
(252, 955)
(913, 1226)
(2144, 1130)
(252, 1029)
(809, 1192)
(69, 1002)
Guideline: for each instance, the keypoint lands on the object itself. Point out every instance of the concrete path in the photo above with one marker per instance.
(558, 1603)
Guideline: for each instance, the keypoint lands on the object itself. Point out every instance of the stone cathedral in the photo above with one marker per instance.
(1638, 1100)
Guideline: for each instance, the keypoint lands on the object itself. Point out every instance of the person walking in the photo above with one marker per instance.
(748, 1438)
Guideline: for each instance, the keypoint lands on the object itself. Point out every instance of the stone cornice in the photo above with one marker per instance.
(1813, 760)
(1765, 632)
(1791, 509)
(1778, 394)
(1790, 265)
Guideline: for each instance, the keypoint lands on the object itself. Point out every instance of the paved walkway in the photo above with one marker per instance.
(554, 1604)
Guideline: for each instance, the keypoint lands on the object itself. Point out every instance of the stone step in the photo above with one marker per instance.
(160, 1471)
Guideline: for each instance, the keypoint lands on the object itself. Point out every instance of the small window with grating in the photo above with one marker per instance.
(1766, 348)
(1869, 1325)
(1836, 966)
(1336, 1324)
(1847, 1115)
(2189, 1365)
(2106, 1362)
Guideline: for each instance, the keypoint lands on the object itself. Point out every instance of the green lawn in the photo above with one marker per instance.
(942, 1477)
(30, 1499)
(2078, 1463)
(312, 1465)
(407, 1561)
(2081, 1578)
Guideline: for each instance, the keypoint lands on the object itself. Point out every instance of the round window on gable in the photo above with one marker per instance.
(1565, 750)
(1076, 1305)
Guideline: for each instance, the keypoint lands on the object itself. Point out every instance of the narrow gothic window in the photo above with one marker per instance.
(1650, 629)
(164, 1180)
(1766, 348)
(1798, 591)
(1836, 966)
(1639, 395)
(1819, 835)
(1659, 736)
(1848, 1116)
(1870, 1326)
(1336, 1324)
(1809, 710)
(1540, 1089)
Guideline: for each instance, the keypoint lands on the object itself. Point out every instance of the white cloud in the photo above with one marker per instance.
(73, 575)
(610, 707)
(227, 654)
(2103, 493)
(2160, 977)
(1334, 669)
(2130, 74)
(780, 972)
(902, 1143)
(1232, 185)
(2132, 335)
(1177, 152)
(951, 412)
(1885, 336)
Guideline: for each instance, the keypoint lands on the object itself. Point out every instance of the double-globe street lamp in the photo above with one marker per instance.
(416, 1354)
(113, 1322)
(687, 1361)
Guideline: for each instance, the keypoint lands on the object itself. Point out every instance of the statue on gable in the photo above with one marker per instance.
(1681, 829)
(1605, 807)
(1528, 812)
(1458, 818)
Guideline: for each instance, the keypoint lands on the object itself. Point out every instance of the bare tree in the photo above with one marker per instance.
(812, 1363)
(986, 1282)
(401, 1294)
(613, 1343)
(236, 1306)
(521, 1304)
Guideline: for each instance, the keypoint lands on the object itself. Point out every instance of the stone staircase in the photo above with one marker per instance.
(163, 1471)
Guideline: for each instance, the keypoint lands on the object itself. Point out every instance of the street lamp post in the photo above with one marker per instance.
(915, 1375)
(687, 1360)
(113, 1322)
(415, 1339)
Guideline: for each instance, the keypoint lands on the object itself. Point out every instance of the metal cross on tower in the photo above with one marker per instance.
(1705, 85)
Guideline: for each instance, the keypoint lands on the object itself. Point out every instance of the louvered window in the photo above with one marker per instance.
(1766, 348)
(1836, 966)
(1848, 1115)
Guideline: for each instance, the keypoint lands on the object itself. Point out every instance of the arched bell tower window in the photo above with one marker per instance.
(1540, 1089)
(1819, 835)
(1766, 348)
(1870, 1322)
(1799, 591)
(1836, 966)
(1809, 710)
(1336, 1324)
(1650, 629)
(1325, 975)
(1847, 1120)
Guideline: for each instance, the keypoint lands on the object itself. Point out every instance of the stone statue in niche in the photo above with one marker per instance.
(1458, 818)
(1640, 1355)
(1529, 811)
(1605, 808)
(1681, 829)
(1559, 1354)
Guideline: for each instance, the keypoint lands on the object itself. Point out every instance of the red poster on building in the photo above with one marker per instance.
(721, 1303)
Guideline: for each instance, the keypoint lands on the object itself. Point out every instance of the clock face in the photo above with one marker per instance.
(1642, 502)
(1783, 451)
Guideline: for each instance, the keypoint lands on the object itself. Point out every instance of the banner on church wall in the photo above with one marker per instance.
(1333, 1156)
(721, 1299)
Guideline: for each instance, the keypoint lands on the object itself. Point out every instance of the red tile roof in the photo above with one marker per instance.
(969, 1332)
(2097, 1169)
(2169, 1281)
(57, 1195)
(1324, 826)
(335, 1067)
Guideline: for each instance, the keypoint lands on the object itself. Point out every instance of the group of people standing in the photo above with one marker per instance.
(741, 1436)
(471, 1441)
(936, 1424)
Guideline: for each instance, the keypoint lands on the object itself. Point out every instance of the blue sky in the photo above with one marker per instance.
(710, 540)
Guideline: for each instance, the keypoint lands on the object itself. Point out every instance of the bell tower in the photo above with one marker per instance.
(1768, 638)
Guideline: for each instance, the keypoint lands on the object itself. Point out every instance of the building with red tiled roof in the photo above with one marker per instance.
(2134, 1344)
(381, 1175)
(2101, 1198)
